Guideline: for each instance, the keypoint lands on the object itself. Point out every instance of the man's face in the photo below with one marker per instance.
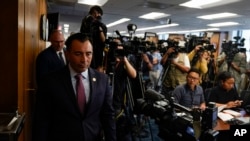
(80, 55)
(96, 14)
(57, 41)
(193, 79)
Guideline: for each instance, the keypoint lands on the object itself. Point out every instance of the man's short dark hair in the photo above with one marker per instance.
(76, 36)
(223, 76)
(96, 8)
(194, 70)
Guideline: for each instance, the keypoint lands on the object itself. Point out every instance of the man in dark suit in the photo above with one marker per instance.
(58, 116)
(49, 59)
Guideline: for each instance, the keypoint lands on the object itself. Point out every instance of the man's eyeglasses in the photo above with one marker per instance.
(192, 78)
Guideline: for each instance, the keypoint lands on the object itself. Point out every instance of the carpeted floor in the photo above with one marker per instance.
(149, 132)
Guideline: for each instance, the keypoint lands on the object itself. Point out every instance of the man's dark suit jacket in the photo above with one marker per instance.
(57, 116)
(47, 61)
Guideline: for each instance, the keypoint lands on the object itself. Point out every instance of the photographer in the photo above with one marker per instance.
(146, 67)
(234, 63)
(123, 72)
(199, 59)
(176, 65)
(97, 31)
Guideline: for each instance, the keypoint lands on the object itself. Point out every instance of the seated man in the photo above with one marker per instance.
(190, 94)
(225, 93)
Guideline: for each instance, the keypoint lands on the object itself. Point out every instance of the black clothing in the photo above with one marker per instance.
(220, 95)
(47, 61)
(91, 27)
(123, 107)
(120, 82)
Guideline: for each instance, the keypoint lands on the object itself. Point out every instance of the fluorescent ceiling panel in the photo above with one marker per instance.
(218, 16)
(157, 27)
(153, 15)
(93, 2)
(190, 31)
(118, 22)
(223, 24)
(66, 25)
(198, 3)
(206, 3)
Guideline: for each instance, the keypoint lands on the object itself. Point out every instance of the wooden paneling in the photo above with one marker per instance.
(20, 44)
(217, 39)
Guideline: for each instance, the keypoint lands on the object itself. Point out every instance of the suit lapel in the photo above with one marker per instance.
(93, 89)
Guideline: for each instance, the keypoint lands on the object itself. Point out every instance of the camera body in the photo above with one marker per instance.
(230, 48)
(171, 124)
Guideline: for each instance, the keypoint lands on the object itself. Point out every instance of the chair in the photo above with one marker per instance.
(207, 93)
(245, 96)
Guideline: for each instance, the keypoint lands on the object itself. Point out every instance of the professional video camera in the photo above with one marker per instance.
(230, 48)
(178, 125)
(205, 43)
(179, 46)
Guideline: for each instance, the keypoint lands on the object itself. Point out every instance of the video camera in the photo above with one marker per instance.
(230, 48)
(179, 46)
(130, 45)
(205, 43)
(178, 126)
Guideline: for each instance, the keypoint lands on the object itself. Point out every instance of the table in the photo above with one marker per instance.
(13, 133)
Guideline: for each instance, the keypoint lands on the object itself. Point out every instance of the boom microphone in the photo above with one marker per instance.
(153, 95)
(118, 33)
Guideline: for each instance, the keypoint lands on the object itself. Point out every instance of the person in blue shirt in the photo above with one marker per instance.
(190, 94)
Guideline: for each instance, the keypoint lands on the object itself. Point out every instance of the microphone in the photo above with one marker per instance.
(118, 33)
(153, 95)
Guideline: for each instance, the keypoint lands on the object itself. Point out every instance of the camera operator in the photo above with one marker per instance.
(199, 59)
(97, 31)
(176, 67)
(123, 71)
(237, 66)
(146, 67)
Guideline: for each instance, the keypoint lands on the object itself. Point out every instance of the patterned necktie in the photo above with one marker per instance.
(81, 99)
(61, 57)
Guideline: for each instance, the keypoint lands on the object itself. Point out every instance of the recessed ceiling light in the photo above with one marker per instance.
(118, 22)
(154, 15)
(218, 16)
(92, 2)
(206, 3)
(223, 24)
(198, 3)
(66, 25)
(156, 27)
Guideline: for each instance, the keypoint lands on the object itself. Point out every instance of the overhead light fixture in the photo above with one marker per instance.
(223, 24)
(218, 16)
(154, 15)
(157, 27)
(66, 25)
(206, 3)
(198, 3)
(118, 22)
(190, 31)
(92, 2)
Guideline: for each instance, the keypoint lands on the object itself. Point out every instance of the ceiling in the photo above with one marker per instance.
(72, 13)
